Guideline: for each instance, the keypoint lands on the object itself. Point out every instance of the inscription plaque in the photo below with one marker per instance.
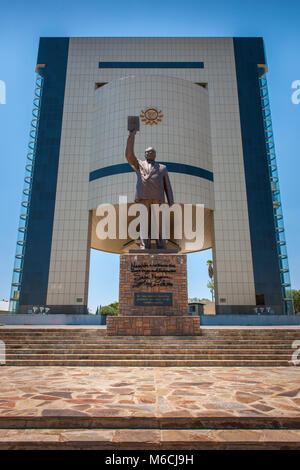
(153, 284)
(153, 299)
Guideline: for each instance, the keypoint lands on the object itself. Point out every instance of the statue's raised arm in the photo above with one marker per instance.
(129, 152)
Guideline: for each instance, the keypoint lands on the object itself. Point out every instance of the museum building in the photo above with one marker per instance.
(203, 105)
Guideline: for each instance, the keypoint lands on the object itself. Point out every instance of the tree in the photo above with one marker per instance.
(211, 287)
(197, 299)
(296, 298)
(210, 284)
(107, 310)
(115, 306)
(111, 309)
(210, 268)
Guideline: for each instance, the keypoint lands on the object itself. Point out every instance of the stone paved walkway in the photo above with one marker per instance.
(149, 392)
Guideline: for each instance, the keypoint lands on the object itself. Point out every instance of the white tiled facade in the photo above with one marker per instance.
(183, 136)
(69, 264)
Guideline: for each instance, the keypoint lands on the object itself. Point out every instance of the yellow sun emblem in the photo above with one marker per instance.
(151, 116)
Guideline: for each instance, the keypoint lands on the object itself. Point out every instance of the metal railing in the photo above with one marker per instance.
(287, 297)
(25, 204)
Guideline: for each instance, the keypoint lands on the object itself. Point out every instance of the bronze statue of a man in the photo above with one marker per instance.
(152, 185)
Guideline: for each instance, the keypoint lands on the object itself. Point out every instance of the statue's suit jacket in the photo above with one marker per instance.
(152, 181)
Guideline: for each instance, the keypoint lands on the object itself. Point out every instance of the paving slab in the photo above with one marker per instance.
(126, 439)
(174, 397)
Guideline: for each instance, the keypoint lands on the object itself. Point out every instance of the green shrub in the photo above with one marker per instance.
(108, 310)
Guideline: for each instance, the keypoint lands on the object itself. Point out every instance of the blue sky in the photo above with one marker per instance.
(22, 23)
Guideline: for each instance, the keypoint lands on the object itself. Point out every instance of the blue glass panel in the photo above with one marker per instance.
(248, 53)
(172, 168)
(151, 65)
(53, 52)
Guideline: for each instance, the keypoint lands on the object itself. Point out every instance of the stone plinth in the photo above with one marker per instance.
(153, 326)
(153, 298)
(153, 284)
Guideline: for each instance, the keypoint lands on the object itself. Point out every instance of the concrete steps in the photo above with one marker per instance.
(90, 347)
(151, 363)
(149, 439)
(132, 349)
(95, 333)
(119, 426)
(145, 355)
(165, 347)
(134, 433)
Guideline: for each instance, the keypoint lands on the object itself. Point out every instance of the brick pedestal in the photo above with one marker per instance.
(153, 326)
(153, 298)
